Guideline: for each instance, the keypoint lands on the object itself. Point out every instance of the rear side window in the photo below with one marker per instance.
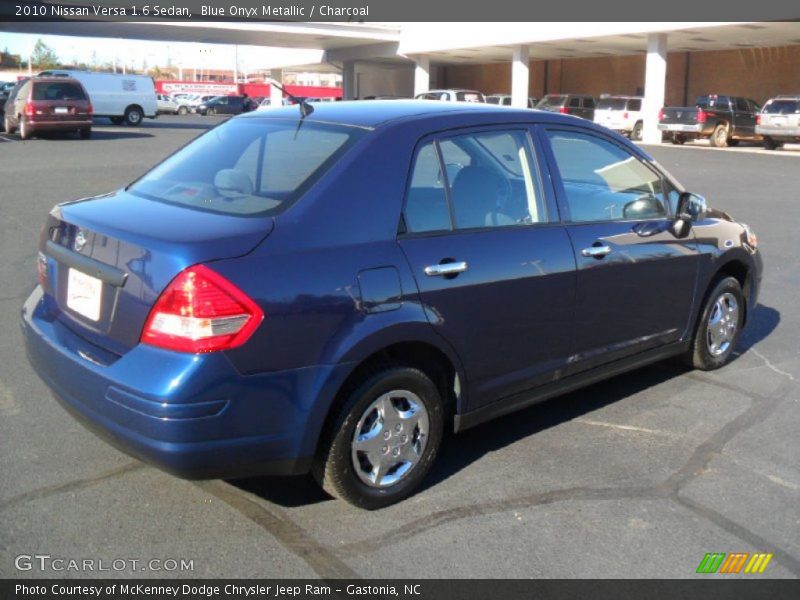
(635, 105)
(604, 182)
(782, 107)
(574, 102)
(249, 167)
(611, 104)
(490, 180)
(57, 90)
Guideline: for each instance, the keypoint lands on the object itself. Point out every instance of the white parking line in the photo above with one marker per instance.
(623, 427)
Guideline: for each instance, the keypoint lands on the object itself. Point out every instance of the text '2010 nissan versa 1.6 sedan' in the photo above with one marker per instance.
(327, 289)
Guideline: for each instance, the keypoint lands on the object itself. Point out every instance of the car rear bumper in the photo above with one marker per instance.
(192, 415)
(41, 125)
(787, 133)
(681, 127)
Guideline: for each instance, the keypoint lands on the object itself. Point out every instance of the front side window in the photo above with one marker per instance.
(602, 181)
(247, 167)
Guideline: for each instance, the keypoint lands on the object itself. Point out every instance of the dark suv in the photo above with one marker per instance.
(223, 105)
(43, 104)
(578, 105)
(347, 284)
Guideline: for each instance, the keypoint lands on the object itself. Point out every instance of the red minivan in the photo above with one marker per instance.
(49, 104)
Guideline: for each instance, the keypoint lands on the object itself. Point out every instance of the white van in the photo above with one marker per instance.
(122, 98)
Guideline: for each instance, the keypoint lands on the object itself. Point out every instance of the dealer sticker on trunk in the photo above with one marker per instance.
(84, 294)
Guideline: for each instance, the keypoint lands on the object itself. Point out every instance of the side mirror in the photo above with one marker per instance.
(691, 208)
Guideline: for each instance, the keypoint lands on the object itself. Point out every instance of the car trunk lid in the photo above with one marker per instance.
(108, 258)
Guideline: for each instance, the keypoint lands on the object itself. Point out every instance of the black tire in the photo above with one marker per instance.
(636, 132)
(86, 133)
(678, 139)
(771, 144)
(334, 466)
(7, 125)
(182, 110)
(134, 116)
(24, 131)
(733, 142)
(719, 137)
(699, 354)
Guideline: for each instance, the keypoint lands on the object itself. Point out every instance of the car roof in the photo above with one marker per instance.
(379, 112)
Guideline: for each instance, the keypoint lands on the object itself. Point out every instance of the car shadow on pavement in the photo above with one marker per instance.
(459, 451)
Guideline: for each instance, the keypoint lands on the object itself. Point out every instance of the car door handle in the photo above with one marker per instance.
(452, 268)
(596, 251)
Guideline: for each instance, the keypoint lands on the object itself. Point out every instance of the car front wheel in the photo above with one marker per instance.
(383, 440)
(718, 327)
(24, 130)
(183, 110)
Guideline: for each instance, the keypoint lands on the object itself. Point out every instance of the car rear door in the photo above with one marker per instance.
(493, 265)
(744, 117)
(635, 279)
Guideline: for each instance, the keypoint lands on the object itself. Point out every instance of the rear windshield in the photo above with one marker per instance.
(612, 104)
(57, 90)
(713, 102)
(782, 107)
(552, 101)
(248, 166)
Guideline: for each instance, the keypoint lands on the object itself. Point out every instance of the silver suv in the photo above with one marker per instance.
(779, 121)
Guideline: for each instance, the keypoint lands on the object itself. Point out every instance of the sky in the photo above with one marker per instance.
(134, 52)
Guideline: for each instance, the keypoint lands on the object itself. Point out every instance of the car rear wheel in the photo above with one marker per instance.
(679, 139)
(383, 440)
(636, 133)
(7, 125)
(719, 326)
(719, 138)
(133, 116)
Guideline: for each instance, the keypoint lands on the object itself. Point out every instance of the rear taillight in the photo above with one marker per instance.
(201, 311)
(563, 110)
(90, 109)
(30, 109)
(758, 119)
(625, 115)
(661, 114)
(701, 116)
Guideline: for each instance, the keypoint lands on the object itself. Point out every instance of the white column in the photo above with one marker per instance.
(520, 76)
(349, 80)
(422, 74)
(655, 83)
(275, 95)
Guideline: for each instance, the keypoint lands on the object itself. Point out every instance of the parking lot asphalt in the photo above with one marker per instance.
(638, 476)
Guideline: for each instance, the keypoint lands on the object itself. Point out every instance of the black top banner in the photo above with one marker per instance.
(387, 11)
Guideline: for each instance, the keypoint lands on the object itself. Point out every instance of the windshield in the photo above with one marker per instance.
(782, 107)
(248, 166)
(612, 104)
(713, 102)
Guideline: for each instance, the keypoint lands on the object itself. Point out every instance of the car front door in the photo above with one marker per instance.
(635, 278)
(493, 265)
(744, 118)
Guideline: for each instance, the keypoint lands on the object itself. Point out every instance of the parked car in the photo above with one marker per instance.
(167, 104)
(622, 114)
(281, 329)
(452, 96)
(5, 92)
(222, 105)
(779, 121)
(723, 120)
(195, 100)
(505, 100)
(579, 105)
(45, 104)
(122, 98)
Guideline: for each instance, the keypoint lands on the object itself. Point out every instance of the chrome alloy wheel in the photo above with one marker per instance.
(722, 323)
(390, 438)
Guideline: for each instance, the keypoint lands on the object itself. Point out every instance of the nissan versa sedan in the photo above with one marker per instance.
(329, 290)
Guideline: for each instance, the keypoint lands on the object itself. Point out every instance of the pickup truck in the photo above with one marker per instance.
(723, 120)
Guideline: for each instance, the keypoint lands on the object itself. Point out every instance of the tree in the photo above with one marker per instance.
(44, 57)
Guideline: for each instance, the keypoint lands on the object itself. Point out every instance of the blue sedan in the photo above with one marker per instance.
(328, 289)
